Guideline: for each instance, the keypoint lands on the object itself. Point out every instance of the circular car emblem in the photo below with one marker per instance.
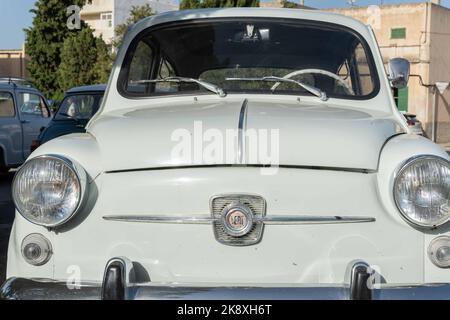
(237, 220)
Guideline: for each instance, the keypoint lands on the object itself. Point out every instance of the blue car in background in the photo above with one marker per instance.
(75, 111)
(24, 112)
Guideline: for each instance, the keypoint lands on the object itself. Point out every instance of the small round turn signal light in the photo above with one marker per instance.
(439, 252)
(36, 249)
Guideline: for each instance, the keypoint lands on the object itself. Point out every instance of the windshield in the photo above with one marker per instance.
(236, 54)
(79, 107)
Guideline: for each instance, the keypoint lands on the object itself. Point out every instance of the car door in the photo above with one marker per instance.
(10, 130)
(34, 117)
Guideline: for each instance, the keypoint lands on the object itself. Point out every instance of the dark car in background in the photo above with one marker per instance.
(24, 112)
(75, 111)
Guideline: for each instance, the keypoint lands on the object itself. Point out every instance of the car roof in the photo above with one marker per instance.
(12, 86)
(93, 88)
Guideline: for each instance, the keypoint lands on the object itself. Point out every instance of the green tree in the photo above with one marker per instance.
(44, 41)
(136, 13)
(85, 60)
(289, 4)
(198, 4)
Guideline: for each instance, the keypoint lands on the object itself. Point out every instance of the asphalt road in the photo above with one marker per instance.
(6, 219)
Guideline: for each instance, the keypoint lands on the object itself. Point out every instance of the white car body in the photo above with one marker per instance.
(337, 158)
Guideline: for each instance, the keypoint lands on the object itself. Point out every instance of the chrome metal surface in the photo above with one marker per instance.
(246, 215)
(44, 289)
(81, 177)
(256, 206)
(242, 126)
(203, 219)
(399, 71)
(402, 168)
(269, 220)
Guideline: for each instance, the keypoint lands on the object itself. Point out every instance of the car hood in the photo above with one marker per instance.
(198, 133)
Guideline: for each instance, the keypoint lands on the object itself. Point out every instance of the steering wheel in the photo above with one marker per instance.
(317, 71)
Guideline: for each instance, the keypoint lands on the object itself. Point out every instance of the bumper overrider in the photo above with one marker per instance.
(118, 284)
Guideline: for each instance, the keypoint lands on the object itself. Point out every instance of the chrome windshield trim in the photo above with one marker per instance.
(269, 220)
(241, 129)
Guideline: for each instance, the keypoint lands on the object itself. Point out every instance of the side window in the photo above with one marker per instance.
(6, 105)
(344, 74)
(363, 70)
(33, 104)
(140, 68)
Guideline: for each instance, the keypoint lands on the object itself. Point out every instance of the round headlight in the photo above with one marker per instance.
(422, 191)
(48, 190)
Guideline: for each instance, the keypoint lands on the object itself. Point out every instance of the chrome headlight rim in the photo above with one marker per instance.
(81, 179)
(404, 166)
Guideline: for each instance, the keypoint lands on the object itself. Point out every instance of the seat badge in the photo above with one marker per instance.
(237, 219)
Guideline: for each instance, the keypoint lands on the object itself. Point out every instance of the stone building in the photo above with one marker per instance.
(420, 33)
(13, 63)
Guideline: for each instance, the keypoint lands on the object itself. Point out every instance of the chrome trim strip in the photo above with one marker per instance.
(241, 132)
(269, 220)
(162, 219)
(290, 220)
(207, 166)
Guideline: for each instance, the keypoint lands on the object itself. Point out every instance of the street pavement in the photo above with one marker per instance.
(6, 219)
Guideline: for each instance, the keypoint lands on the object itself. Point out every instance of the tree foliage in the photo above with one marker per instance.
(44, 40)
(136, 13)
(85, 60)
(49, 36)
(199, 4)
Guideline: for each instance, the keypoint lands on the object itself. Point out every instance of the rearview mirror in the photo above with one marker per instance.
(399, 70)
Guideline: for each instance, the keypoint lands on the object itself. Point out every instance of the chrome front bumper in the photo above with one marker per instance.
(118, 284)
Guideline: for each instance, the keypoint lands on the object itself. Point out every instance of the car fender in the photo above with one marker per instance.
(393, 156)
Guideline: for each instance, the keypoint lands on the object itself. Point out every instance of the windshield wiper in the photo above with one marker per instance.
(313, 90)
(207, 85)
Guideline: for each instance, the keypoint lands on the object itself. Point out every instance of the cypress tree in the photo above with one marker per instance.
(44, 41)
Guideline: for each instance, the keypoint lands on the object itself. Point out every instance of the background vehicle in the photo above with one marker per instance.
(413, 123)
(23, 114)
(75, 111)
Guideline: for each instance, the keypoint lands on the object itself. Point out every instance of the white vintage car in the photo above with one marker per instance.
(238, 153)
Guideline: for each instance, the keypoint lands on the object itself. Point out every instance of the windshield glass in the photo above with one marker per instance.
(79, 107)
(234, 54)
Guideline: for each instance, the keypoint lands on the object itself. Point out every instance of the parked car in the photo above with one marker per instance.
(23, 114)
(413, 123)
(169, 193)
(75, 111)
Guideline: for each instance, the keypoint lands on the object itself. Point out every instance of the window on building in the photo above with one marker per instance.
(6, 105)
(398, 33)
(107, 16)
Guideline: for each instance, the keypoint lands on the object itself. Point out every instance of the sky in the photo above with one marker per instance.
(15, 16)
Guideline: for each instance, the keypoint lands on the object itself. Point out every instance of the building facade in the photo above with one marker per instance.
(104, 15)
(420, 33)
(13, 63)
